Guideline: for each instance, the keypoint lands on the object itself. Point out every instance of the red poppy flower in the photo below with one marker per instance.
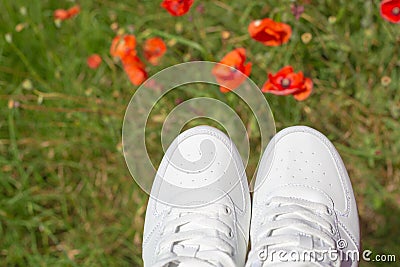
(94, 61)
(63, 14)
(73, 11)
(390, 10)
(123, 46)
(177, 7)
(135, 69)
(229, 78)
(269, 32)
(154, 49)
(286, 82)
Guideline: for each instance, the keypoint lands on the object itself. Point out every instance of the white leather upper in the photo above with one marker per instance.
(201, 167)
(302, 163)
(202, 171)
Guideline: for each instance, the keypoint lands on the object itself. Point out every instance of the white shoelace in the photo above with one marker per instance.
(197, 237)
(288, 221)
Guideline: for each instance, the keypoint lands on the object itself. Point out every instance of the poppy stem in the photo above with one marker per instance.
(13, 144)
(184, 41)
(246, 12)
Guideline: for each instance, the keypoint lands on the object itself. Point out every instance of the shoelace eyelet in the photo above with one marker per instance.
(333, 230)
(330, 211)
(230, 234)
(227, 210)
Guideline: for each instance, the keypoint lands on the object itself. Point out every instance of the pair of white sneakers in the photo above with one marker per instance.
(200, 214)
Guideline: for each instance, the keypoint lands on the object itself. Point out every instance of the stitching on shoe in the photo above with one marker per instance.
(349, 234)
(229, 144)
(156, 227)
(333, 153)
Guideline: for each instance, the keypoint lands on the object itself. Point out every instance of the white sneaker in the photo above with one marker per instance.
(199, 209)
(303, 203)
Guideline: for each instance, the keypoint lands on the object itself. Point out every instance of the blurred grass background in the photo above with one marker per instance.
(66, 196)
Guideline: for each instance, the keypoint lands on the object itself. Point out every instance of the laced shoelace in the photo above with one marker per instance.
(196, 238)
(284, 217)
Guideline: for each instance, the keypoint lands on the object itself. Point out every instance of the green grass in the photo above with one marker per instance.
(66, 196)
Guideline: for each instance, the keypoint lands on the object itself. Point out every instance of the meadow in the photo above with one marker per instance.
(66, 195)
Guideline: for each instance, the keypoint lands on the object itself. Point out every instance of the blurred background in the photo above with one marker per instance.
(66, 196)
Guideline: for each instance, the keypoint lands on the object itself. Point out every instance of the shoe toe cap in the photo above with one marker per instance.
(199, 159)
(302, 156)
